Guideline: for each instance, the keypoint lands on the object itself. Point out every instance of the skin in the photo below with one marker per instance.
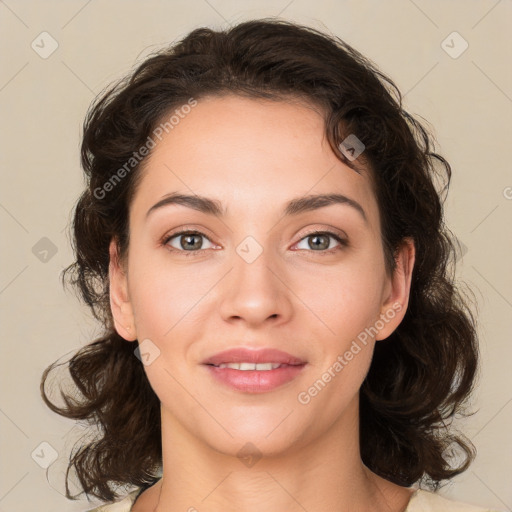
(254, 156)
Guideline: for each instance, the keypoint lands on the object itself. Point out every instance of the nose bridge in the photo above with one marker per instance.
(254, 292)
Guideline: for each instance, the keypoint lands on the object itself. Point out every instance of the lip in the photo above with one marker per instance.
(254, 381)
(242, 354)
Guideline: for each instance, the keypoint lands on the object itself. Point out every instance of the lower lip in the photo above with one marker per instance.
(255, 381)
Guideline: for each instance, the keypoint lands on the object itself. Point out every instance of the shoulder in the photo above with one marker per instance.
(425, 501)
(124, 505)
(421, 501)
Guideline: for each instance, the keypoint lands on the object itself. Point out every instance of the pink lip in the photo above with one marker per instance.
(265, 355)
(254, 381)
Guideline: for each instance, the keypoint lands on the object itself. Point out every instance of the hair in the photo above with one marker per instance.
(420, 377)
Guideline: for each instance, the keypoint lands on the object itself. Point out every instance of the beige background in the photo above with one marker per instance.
(467, 100)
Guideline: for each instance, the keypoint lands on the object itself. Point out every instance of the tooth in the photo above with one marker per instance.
(250, 366)
(267, 366)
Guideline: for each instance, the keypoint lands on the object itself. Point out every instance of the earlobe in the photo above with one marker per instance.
(395, 304)
(119, 297)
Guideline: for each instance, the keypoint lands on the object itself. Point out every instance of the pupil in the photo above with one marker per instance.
(321, 245)
(188, 238)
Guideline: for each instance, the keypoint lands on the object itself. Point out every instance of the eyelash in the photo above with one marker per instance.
(167, 238)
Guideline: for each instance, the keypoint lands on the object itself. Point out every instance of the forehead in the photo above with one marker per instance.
(251, 154)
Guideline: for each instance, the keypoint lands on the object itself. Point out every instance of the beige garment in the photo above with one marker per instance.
(421, 501)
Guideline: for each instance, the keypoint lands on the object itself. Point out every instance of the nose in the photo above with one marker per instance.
(256, 292)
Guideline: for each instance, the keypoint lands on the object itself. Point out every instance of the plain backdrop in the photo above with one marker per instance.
(451, 59)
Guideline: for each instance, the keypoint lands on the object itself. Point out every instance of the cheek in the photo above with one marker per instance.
(346, 306)
(347, 298)
(162, 297)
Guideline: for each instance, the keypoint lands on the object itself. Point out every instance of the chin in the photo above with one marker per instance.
(251, 448)
(264, 435)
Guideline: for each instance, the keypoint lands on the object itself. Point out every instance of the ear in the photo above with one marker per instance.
(397, 290)
(120, 305)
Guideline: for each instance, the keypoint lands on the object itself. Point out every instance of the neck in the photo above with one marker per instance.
(325, 474)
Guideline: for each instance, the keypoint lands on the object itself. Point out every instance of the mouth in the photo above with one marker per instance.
(254, 371)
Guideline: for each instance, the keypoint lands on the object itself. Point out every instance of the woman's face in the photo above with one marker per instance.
(255, 277)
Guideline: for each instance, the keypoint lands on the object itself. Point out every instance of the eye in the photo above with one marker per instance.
(190, 242)
(186, 241)
(320, 241)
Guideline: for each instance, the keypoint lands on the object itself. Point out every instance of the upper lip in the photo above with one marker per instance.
(245, 355)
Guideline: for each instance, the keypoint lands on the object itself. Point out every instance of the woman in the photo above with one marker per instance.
(261, 218)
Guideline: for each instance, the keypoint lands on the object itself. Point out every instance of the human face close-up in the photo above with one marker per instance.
(255, 277)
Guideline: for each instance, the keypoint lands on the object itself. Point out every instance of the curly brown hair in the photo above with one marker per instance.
(420, 377)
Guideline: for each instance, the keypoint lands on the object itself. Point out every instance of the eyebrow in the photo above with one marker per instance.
(294, 207)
